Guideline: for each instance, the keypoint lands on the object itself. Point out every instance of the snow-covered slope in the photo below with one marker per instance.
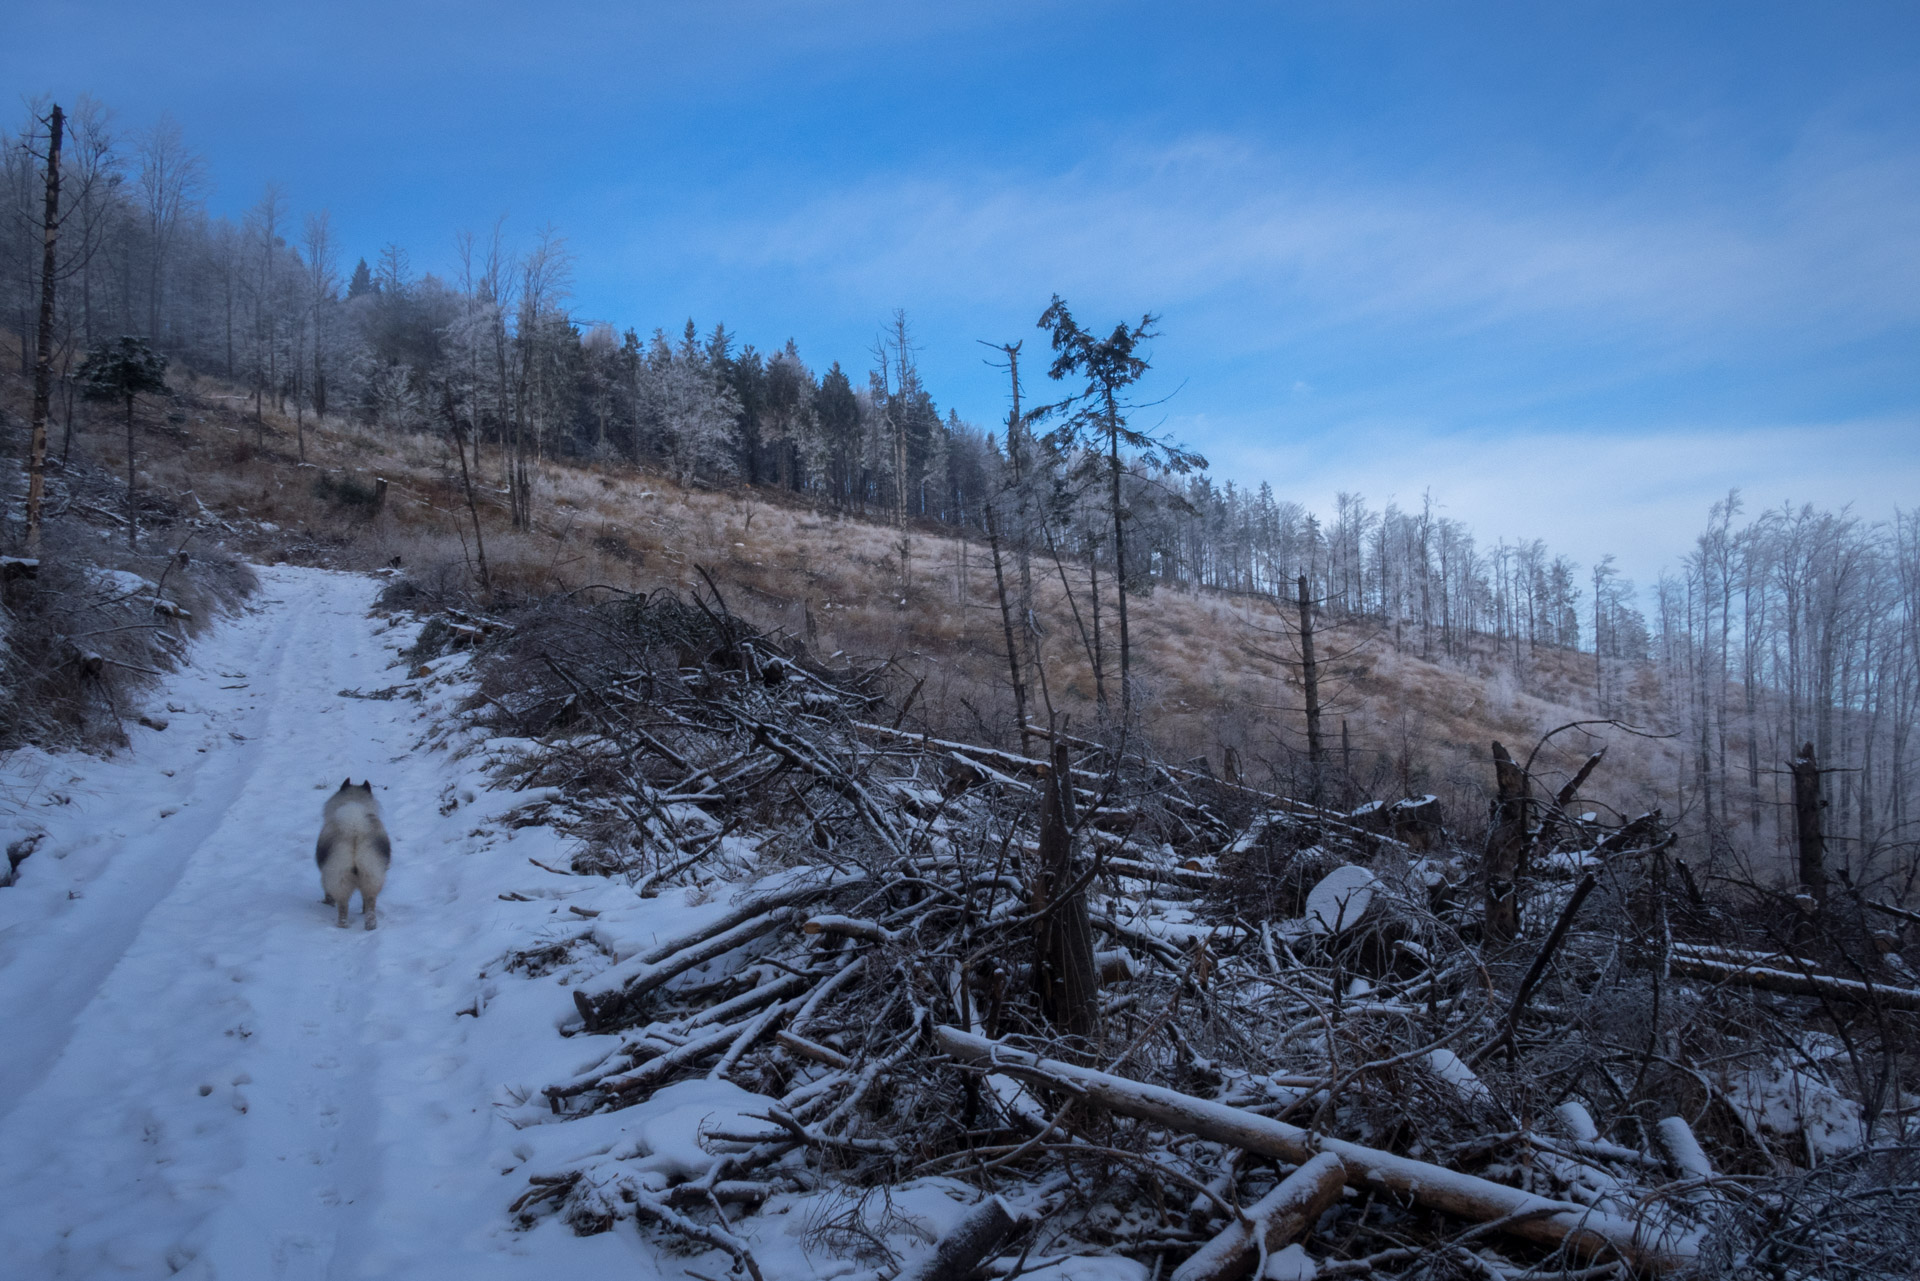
(199, 1074)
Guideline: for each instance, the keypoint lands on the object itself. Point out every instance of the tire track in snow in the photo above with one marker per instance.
(346, 1127)
(216, 1041)
(307, 986)
(46, 988)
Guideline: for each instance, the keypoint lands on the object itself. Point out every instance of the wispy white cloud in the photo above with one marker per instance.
(1268, 247)
(1492, 342)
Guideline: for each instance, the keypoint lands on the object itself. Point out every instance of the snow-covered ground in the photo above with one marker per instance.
(199, 1074)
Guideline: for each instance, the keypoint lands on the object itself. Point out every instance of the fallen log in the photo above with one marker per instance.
(1191, 877)
(1762, 970)
(1899, 913)
(1273, 1221)
(605, 1001)
(961, 1251)
(813, 1050)
(1676, 1139)
(1558, 1223)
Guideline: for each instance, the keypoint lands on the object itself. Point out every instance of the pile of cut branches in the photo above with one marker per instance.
(1147, 1015)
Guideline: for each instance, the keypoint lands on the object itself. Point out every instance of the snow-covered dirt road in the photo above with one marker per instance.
(199, 1074)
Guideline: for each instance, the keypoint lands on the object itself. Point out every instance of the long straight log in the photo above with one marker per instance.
(1767, 971)
(1191, 877)
(1559, 1223)
(1275, 1219)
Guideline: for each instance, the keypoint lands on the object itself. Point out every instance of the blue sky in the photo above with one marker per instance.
(1579, 268)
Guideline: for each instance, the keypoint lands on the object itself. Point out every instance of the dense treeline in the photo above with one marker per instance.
(1801, 626)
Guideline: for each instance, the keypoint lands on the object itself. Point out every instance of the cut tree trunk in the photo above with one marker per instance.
(1506, 845)
(1272, 1222)
(1684, 1152)
(1807, 805)
(1064, 972)
(961, 1252)
(1523, 1214)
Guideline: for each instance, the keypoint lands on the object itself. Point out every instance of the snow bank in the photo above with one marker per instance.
(1786, 1101)
(669, 1129)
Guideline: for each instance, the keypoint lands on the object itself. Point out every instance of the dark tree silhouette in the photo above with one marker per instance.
(124, 370)
(1095, 427)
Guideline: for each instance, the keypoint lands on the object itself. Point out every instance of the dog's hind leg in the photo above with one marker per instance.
(341, 892)
(339, 880)
(367, 899)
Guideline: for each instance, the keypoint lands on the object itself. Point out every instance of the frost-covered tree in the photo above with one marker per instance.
(688, 414)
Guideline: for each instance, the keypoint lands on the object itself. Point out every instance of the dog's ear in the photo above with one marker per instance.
(346, 782)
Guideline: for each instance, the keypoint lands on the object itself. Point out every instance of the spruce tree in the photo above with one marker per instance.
(1095, 430)
(124, 370)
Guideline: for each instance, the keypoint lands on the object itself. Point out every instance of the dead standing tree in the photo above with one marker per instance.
(1020, 641)
(1311, 662)
(43, 361)
(1006, 627)
(1064, 973)
(1310, 678)
(1811, 842)
(1506, 847)
(456, 436)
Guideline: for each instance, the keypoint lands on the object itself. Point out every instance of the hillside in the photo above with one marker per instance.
(1216, 671)
(690, 962)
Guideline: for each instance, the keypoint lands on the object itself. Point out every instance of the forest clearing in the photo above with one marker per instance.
(1223, 643)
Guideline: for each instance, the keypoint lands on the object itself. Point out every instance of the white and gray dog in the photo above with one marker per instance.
(353, 850)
